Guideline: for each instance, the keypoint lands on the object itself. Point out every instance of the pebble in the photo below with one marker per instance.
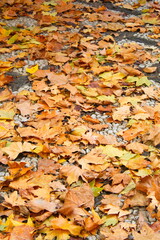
(19, 120)
(132, 2)
(91, 238)
(30, 162)
(135, 212)
(2, 178)
(26, 21)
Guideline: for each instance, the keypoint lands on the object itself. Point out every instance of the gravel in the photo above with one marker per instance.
(27, 22)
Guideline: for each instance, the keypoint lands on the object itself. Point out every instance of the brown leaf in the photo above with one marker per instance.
(146, 233)
(36, 205)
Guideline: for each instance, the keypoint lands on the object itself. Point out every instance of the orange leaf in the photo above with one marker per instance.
(72, 173)
(150, 69)
(88, 118)
(22, 232)
(64, 224)
(63, 6)
(79, 197)
(5, 79)
(15, 148)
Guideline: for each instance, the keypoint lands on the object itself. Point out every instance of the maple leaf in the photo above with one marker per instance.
(6, 94)
(22, 232)
(139, 199)
(121, 113)
(91, 92)
(116, 232)
(37, 182)
(7, 115)
(64, 224)
(96, 190)
(150, 69)
(15, 148)
(93, 222)
(146, 232)
(4, 67)
(13, 39)
(93, 157)
(137, 147)
(5, 79)
(61, 228)
(72, 173)
(36, 205)
(153, 134)
(150, 18)
(26, 108)
(11, 225)
(14, 199)
(111, 151)
(32, 69)
(139, 80)
(77, 198)
(63, 6)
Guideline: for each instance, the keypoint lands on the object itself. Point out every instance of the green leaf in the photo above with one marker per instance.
(2, 228)
(106, 75)
(110, 220)
(139, 80)
(52, 2)
(90, 92)
(49, 29)
(6, 31)
(127, 155)
(143, 80)
(107, 98)
(50, 14)
(100, 58)
(96, 190)
(34, 41)
(12, 39)
(129, 187)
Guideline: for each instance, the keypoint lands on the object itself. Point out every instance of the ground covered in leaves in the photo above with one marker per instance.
(80, 135)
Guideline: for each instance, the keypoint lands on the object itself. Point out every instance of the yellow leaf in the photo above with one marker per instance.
(7, 114)
(38, 148)
(143, 172)
(61, 223)
(30, 222)
(111, 151)
(79, 131)
(32, 69)
(107, 98)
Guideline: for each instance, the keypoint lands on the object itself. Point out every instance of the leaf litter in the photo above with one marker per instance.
(86, 122)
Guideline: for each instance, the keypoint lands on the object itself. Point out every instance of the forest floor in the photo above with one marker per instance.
(79, 120)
